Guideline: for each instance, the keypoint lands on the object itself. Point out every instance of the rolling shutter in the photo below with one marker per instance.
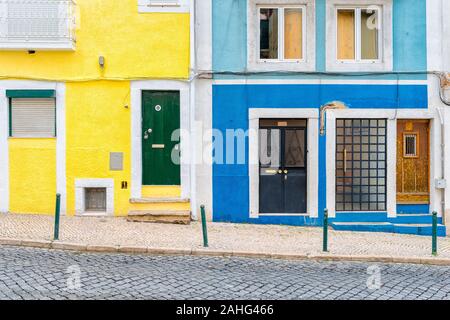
(33, 117)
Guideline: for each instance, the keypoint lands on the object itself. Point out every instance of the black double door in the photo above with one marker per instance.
(283, 167)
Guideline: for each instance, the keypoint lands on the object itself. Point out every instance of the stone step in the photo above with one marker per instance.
(415, 229)
(160, 216)
(414, 219)
(419, 229)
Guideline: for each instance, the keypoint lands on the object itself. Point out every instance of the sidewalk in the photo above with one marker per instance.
(118, 235)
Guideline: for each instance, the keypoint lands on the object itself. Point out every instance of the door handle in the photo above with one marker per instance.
(345, 160)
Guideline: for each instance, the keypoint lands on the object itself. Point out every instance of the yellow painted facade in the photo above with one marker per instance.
(135, 46)
(32, 175)
(97, 123)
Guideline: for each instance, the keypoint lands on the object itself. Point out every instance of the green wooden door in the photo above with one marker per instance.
(160, 118)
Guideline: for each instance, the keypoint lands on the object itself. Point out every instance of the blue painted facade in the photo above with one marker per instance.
(229, 18)
(231, 100)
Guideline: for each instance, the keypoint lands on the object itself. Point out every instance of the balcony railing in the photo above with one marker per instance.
(37, 24)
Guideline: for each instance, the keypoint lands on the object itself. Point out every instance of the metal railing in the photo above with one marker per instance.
(37, 21)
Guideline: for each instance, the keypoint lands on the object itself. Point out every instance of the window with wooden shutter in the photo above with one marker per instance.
(32, 117)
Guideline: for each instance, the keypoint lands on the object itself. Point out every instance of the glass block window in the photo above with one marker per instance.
(361, 164)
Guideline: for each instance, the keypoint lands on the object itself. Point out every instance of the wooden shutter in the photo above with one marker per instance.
(33, 117)
(346, 35)
(293, 33)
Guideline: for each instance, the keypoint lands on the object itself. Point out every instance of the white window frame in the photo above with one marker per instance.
(254, 62)
(147, 6)
(80, 196)
(358, 31)
(281, 14)
(385, 36)
(66, 8)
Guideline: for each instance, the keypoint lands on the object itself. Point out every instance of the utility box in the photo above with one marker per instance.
(116, 161)
(441, 184)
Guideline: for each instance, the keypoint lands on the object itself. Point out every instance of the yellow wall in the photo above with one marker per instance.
(32, 175)
(134, 45)
(97, 123)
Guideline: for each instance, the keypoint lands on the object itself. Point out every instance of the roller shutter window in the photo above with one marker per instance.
(33, 117)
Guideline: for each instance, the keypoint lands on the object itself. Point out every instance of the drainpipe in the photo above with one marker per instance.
(192, 98)
(335, 105)
(441, 118)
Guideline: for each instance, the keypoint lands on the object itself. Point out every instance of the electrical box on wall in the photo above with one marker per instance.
(441, 184)
(116, 161)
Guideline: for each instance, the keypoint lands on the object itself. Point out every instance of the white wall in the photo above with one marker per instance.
(201, 109)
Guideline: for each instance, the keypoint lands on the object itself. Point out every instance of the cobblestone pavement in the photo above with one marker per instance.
(222, 236)
(27, 273)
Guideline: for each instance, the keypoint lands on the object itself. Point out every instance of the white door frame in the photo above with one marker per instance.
(392, 115)
(312, 115)
(137, 87)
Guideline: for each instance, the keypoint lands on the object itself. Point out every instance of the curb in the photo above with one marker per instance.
(66, 246)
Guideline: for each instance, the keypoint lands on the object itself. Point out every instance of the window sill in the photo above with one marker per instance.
(354, 66)
(163, 9)
(37, 45)
(280, 65)
(34, 138)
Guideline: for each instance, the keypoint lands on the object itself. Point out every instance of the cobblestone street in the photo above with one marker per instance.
(42, 274)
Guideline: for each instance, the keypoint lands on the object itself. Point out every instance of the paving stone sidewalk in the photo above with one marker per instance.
(237, 238)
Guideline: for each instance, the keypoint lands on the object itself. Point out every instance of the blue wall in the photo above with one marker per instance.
(231, 105)
(409, 33)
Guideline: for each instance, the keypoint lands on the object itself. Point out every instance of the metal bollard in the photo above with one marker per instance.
(434, 234)
(325, 231)
(57, 214)
(205, 230)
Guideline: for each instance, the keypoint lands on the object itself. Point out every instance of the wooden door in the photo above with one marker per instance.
(413, 162)
(160, 118)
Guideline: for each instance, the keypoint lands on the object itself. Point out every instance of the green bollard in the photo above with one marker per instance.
(434, 234)
(57, 213)
(205, 231)
(325, 231)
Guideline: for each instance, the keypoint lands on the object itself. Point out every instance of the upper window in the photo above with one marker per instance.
(281, 35)
(163, 5)
(359, 35)
(33, 25)
(32, 113)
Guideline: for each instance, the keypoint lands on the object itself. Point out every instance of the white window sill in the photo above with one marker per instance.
(37, 45)
(280, 65)
(183, 8)
(351, 66)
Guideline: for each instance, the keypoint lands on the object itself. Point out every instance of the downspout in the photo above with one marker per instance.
(192, 99)
(441, 118)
